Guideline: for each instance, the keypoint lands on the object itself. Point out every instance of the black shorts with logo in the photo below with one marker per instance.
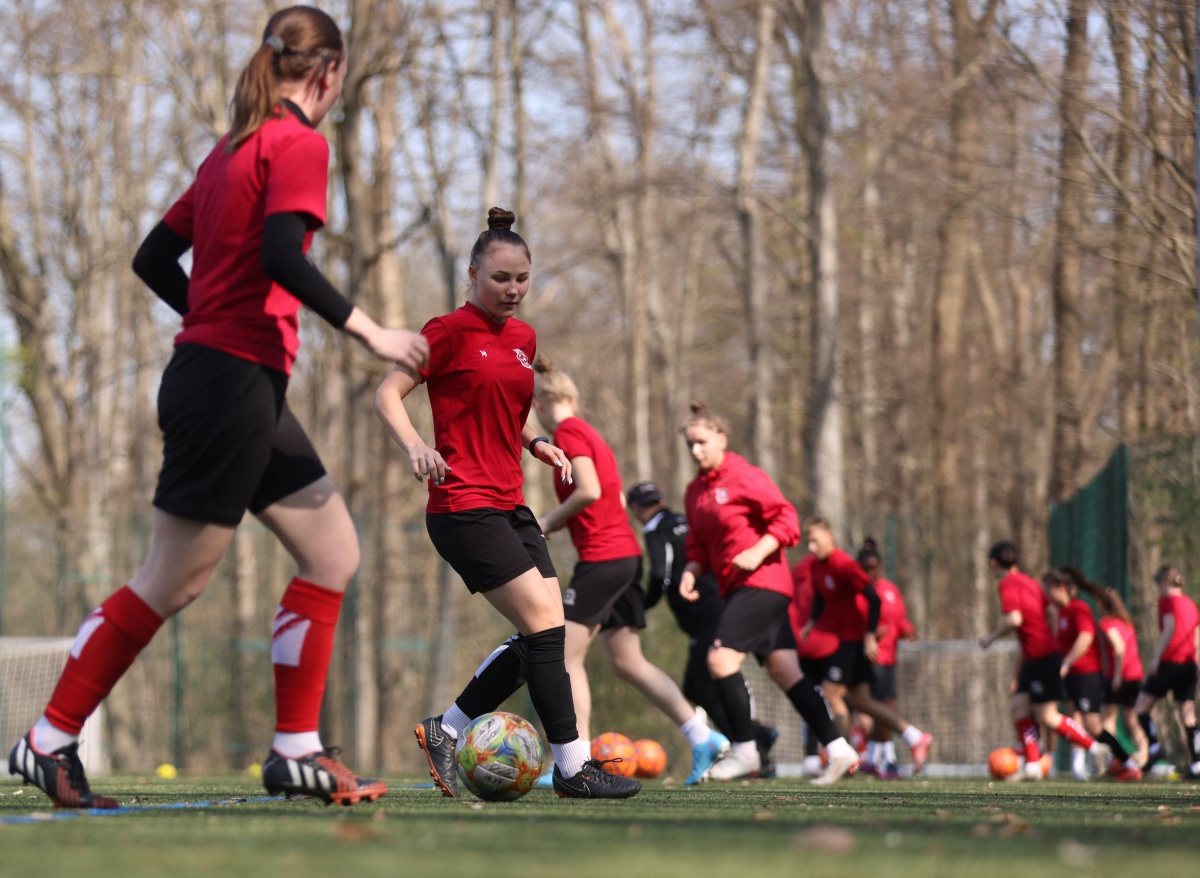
(1041, 678)
(230, 443)
(848, 665)
(606, 593)
(1178, 678)
(755, 621)
(489, 547)
(1085, 691)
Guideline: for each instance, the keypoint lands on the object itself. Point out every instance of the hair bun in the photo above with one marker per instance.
(542, 364)
(699, 408)
(499, 218)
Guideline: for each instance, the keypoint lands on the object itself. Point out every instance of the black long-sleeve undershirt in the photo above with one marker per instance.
(873, 607)
(283, 260)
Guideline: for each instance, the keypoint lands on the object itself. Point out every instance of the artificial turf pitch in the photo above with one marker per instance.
(863, 827)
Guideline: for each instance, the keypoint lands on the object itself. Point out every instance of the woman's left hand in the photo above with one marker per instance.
(552, 455)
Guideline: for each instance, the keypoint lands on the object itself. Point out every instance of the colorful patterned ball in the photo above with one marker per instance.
(500, 757)
(615, 746)
(650, 756)
(1003, 762)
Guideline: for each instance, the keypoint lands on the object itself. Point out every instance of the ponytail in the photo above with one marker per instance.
(299, 43)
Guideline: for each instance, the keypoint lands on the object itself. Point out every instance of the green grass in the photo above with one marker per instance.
(965, 829)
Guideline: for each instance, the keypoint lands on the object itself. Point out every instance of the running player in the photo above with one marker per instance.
(813, 648)
(838, 583)
(665, 533)
(480, 380)
(605, 596)
(1173, 668)
(1083, 684)
(230, 442)
(1121, 667)
(1039, 677)
(739, 525)
(894, 624)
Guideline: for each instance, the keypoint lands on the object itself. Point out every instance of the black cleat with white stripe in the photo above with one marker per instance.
(593, 782)
(320, 775)
(59, 775)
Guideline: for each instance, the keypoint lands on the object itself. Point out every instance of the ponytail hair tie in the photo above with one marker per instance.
(275, 42)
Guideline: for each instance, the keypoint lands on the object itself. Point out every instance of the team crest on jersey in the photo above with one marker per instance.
(569, 597)
(522, 358)
(830, 585)
(721, 495)
(482, 353)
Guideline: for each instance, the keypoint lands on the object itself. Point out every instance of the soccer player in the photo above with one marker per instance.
(1039, 677)
(665, 533)
(838, 583)
(1083, 684)
(813, 648)
(605, 596)
(1173, 668)
(1121, 666)
(739, 524)
(230, 442)
(480, 381)
(894, 624)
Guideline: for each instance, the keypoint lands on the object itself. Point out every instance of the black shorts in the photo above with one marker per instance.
(1041, 678)
(606, 593)
(1124, 694)
(230, 443)
(1177, 678)
(1085, 691)
(755, 621)
(489, 548)
(883, 684)
(848, 665)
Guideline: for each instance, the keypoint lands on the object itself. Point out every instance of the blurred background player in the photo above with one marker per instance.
(1121, 667)
(480, 381)
(230, 442)
(813, 649)
(1173, 668)
(605, 594)
(1083, 684)
(838, 585)
(894, 624)
(739, 523)
(665, 533)
(1039, 685)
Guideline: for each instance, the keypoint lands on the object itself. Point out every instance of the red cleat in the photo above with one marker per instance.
(920, 752)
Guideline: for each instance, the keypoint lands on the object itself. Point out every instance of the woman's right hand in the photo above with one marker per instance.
(687, 587)
(427, 462)
(401, 346)
(405, 348)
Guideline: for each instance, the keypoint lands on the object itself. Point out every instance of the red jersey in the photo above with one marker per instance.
(818, 644)
(1182, 648)
(480, 377)
(731, 508)
(1131, 666)
(233, 305)
(1020, 592)
(601, 532)
(839, 581)
(893, 621)
(1074, 619)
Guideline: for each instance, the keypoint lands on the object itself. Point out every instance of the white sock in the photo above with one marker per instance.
(47, 738)
(911, 735)
(1096, 749)
(840, 748)
(293, 745)
(570, 757)
(872, 752)
(696, 730)
(454, 721)
(747, 750)
(889, 752)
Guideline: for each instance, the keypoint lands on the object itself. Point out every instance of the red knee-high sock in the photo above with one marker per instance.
(301, 646)
(106, 645)
(1075, 733)
(1027, 733)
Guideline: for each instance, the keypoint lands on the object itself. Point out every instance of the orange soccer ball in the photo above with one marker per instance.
(615, 746)
(650, 757)
(1003, 763)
